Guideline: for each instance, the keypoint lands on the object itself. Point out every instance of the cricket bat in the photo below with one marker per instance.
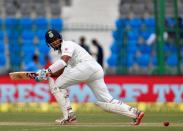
(22, 75)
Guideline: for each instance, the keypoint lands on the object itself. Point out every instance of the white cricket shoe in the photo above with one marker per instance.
(70, 120)
(139, 117)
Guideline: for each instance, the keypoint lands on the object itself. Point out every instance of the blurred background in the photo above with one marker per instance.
(139, 37)
(139, 43)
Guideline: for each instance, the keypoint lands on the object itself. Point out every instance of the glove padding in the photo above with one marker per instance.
(42, 75)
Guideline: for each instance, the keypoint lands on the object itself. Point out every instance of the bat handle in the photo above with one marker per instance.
(32, 75)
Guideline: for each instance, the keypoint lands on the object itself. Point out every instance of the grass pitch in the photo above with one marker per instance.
(89, 122)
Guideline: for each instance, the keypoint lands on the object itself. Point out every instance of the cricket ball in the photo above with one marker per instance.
(166, 123)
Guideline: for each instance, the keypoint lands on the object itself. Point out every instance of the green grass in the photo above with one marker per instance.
(89, 122)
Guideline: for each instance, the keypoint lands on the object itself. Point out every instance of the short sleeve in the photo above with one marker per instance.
(67, 49)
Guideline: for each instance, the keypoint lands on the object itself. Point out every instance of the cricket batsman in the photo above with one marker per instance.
(77, 65)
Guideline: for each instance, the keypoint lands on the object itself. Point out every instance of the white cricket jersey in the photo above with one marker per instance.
(76, 52)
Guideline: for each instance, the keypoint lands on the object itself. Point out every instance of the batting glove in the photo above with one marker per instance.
(42, 75)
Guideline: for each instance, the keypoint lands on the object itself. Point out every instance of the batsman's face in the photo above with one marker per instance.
(56, 44)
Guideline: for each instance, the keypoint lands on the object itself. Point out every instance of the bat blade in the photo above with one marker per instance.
(22, 75)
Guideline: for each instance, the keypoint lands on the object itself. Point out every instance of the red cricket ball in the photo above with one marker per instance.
(166, 123)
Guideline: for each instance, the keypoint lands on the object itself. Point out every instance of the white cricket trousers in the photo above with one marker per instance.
(89, 72)
(92, 74)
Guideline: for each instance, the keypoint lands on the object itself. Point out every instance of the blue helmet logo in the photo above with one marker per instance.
(50, 34)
